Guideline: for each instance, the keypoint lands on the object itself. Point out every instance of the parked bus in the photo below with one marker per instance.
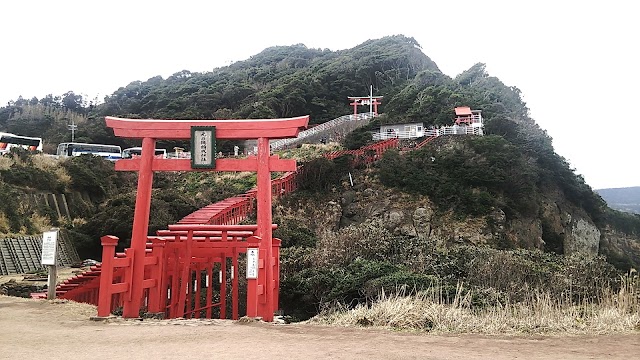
(9, 141)
(137, 151)
(109, 152)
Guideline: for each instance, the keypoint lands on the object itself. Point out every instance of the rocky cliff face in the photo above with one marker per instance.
(415, 216)
(572, 226)
(618, 244)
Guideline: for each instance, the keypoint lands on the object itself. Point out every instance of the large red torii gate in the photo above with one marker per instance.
(150, 130)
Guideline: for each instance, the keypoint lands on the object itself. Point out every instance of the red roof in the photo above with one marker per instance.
(463, 110)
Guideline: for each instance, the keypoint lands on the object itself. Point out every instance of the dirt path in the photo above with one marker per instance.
(62, 330)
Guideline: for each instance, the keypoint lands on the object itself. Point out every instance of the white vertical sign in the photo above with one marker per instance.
(252, 263)
(49, 247)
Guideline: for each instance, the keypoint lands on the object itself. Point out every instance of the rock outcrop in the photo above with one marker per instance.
(415, 216)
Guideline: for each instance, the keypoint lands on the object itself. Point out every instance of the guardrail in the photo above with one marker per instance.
(445, 130)
(279, 144)
(366, 154)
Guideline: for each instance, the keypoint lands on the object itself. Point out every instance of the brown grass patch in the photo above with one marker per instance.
(6, 162)
(540, 313)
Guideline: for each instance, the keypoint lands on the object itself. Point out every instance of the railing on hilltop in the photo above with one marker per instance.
(366, 154)
(282, 143)
(444, 130)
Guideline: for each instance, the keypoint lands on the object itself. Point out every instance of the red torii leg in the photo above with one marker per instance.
(132, 302)
(265, 307)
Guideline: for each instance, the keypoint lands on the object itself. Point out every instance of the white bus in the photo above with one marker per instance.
(135, 152)
(109, 152)
(9, 141)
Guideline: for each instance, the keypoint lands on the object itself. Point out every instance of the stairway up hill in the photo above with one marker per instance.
(332, 131)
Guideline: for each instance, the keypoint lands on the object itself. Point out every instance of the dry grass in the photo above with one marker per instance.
(308, 151)
(351, 242)
(41, 223)
(4, 224)
(6, 162)
(613, 312)
(44, 162)
(51, 164)
(39, 161)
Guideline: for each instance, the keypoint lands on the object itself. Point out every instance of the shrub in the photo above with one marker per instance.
(292, 232)
(471, 175)
(17, 217)
(366, 241)
(320, 174)
(93, 175)
(305, 292)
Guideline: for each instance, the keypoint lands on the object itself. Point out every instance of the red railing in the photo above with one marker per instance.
(181, 265)
(366, 154)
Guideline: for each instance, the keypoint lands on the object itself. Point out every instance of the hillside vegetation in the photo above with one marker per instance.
(503, 214)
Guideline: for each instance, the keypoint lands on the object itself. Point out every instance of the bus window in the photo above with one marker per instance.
(109, 152)
(135, 152)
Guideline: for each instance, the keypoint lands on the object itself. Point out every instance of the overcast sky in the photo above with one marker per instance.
(574, 61)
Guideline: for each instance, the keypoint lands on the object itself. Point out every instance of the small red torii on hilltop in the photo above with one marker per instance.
(372, 101)
(260, 299)
(365, 100)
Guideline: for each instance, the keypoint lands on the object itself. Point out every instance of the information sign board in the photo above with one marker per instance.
(49, 247)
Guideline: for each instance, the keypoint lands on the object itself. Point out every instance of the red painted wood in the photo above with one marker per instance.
(276, 275)
(185, 274)
(216, 229)
(248, 164)
(234, 284)
(225, 129)
(131, 307)
(264, 224)
(223, 287)
(209, 288)
(252, 284)
(155, 294)
(109, 243)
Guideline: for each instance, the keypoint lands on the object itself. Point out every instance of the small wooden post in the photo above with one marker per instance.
(51, 284)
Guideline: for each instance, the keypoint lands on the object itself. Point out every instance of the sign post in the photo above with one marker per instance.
(49, 247)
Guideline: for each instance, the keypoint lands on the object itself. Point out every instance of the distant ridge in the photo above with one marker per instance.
(624, 199)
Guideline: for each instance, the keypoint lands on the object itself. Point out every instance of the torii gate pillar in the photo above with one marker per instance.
(261, 292)
(264, 218)
(131, 306)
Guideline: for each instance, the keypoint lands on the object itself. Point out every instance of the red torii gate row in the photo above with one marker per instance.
(262, 292)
